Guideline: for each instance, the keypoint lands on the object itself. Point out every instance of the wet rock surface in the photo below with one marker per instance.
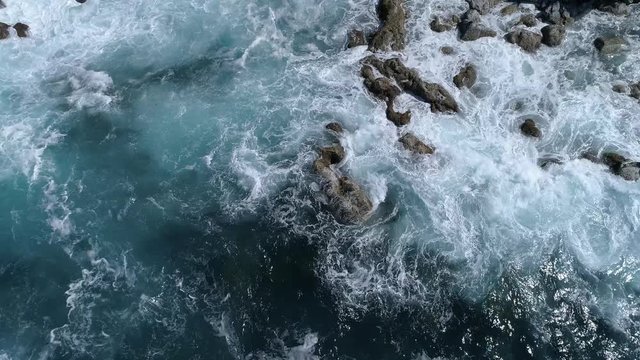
(4, 30)
(466, 77)
(380, 87)
(447, 50)
(415, 145)
(483, 6)
(553, 35)
(471, 27)
(356, 38)
(22, 29)
(391, 35)
(609, 44)
(528, 20)
(335, 127)
(529, 128)
(397, 118)
(525, 39)
(621, 166)
(509, 9)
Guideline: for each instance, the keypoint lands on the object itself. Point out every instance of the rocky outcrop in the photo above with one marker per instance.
(409, 80)
(380, 87)
(553, 35)
(528, 20)
(483, 6)
(471, 27)
(415, 145)
(530, 129)
(349, 202)
(621, 166)
(525, 39)
(634, 90)
(335, 127)
(356, 38)
(392, 33)
(397, 118)
(446, 50)
(609, 44)
(22, 29)
(509, 9)
(4, 30)
(466, 77)
(555, 13)
(440, 25)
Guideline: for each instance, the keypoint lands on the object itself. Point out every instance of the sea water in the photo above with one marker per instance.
(157, 199)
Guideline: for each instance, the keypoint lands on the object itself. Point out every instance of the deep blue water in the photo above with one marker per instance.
(157, 199)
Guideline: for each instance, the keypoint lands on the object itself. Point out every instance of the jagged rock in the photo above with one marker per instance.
(525, 39)
(466, 77)
(529, 128)
(335, 127)
(392, 32)
(415, 145)
(356, 38)
(397, 118)
(483, 6)
(553, 35)
(409, 80)
(439, 25)
(634, 90)
(617, 8)
(471, 27)
(609, 44)
(21, 29)
(350, 202)
(528, 20)
(620, 88)
(446, 50)
(4, 31)
(509, 9)
(381, 87)
(556, 13)
(331, 155)
(621, 166)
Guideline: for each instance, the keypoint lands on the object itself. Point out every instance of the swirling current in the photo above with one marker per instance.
(157, 197)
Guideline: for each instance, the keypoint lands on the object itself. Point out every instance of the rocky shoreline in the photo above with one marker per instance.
(387, 78)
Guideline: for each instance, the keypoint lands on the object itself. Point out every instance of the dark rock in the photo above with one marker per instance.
(483, 6)
(415, 145)
(2, 5)
(525, 39)
(447, 50)
(356, 38)
(335, 127)
(509, 9)
(553, 35)
(529, 128)
(556, 13)
(397, 118)
(620, 88)
(439, 25)
(81, 1)
(634, 90)
(471, 27)
(4, 31)
(381, 87)
(409, 80)
(622, 166)
(609, 44)
(392, 32)
(528, 20)
(545, 163)
(466, 77)
(22, 29)
(350, 202)
(617, 8)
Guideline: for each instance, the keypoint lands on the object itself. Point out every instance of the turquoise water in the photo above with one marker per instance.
(157, 199)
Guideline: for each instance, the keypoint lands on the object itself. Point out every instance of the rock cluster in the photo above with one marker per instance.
(391, 35)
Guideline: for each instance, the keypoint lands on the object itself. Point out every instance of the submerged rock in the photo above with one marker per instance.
(483, 6)
(22, 29)
(525, 39)
(335, 127)
(446, 50)
(356, 38)
(415, 145)
(620, 88)
(553, 35)
(409, 80)
(621, 166)
(529, 128)
(617, 8)
(466, 77)
(397, 118)
(471, 27)
(392, 32)
(4, 31)
(609, 44)
(634, 90)
(545, 163)
(2, 5)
